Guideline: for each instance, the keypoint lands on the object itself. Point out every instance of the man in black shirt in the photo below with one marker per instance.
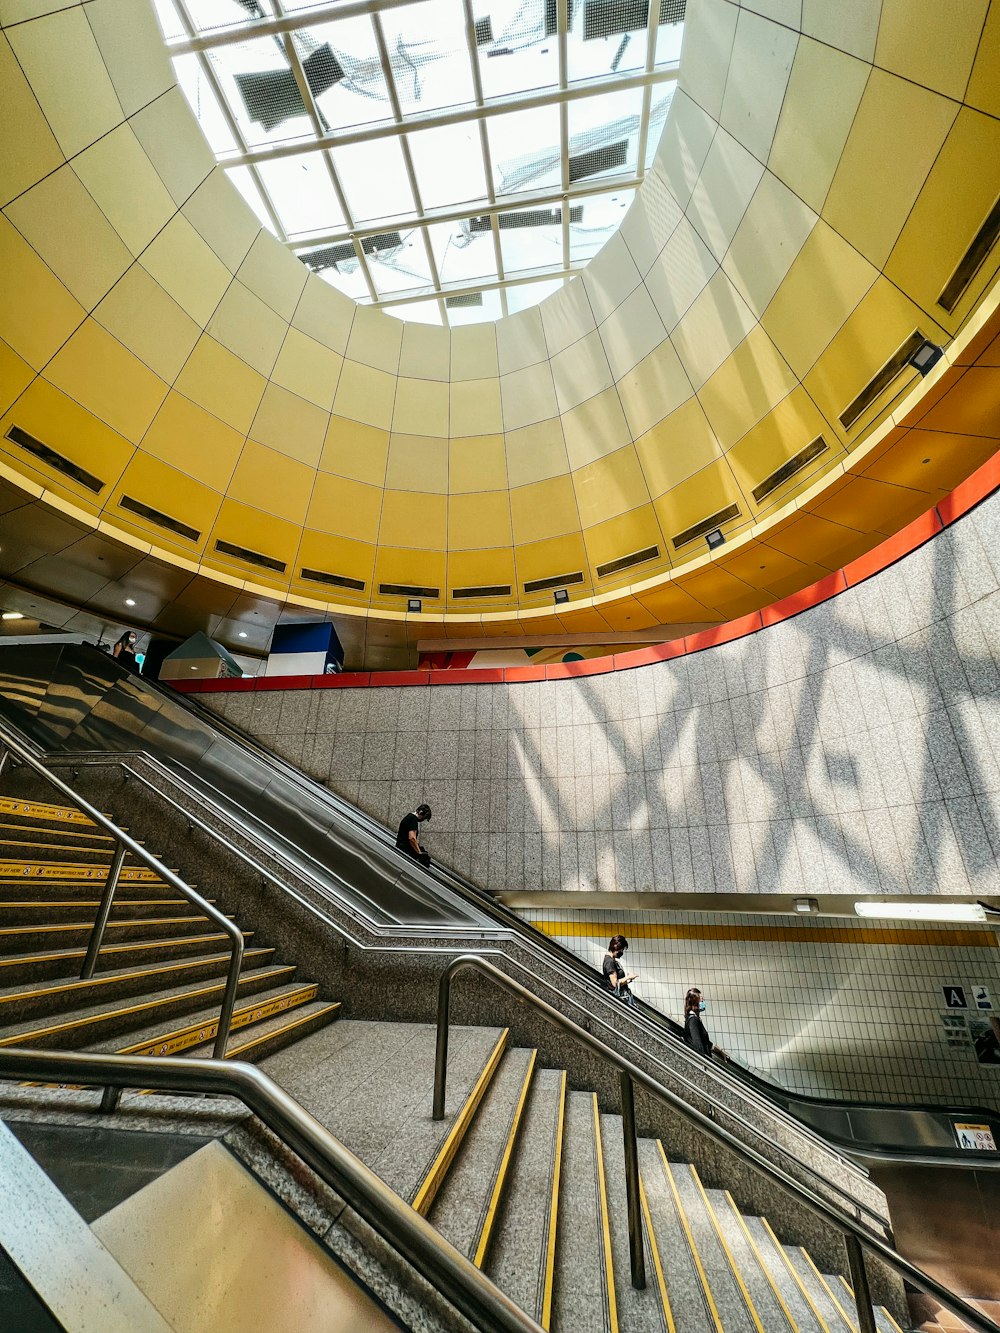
(407, 840)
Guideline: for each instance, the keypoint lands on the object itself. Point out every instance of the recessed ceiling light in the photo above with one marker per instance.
(194, 668)
(12, 615)
(129, 601)
(928, 911)
(242, 634)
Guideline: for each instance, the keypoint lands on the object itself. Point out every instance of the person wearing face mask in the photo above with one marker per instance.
(695, 1033)
(615, 976)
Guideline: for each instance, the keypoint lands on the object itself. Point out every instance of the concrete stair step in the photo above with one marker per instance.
(731, 1297)
(28, 813)
(256, 1041)
(105, 1026)
(832, 1307)
(466, 1205)
(884, 1321)
(757, 1285)
(50, 846)
(584, 1298)
(18, 940)
(30, 911)
(84, 890)
(643, 1311)
(686, 1283)
(51, 964)
(522, 1253)
(39, 999)
(199, 1029)
(795, 1293)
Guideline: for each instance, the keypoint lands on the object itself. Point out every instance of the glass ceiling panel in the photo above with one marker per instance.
(302, 192)
(362, 214)
(374, 179)
(531, 238)
(342, 64)
(599, 218)
(604, 135)
(517, 45)
(525, 151)
(463, 251)
(398, 261)
(429, 55)
(448, 163)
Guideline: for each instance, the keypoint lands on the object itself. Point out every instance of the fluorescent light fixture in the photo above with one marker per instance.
(12, 615)
(806, 905)
(130, 601)
(926, 911)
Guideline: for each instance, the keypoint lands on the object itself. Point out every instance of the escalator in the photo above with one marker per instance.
(73, 700)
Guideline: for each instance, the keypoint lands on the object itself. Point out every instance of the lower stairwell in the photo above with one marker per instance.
(161, 970)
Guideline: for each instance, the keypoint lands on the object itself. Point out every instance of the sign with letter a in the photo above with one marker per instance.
(954, 997)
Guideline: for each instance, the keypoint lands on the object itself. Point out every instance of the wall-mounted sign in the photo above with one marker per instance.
(956, 1032)
(975, 1138)
(981, 997)
(954, 997)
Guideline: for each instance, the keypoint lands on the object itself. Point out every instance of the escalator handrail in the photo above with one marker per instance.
(10, 745)
(448, 1271)
(834, 1216)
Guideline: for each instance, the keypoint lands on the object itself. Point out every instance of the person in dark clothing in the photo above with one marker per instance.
(407, 840)
(124, 651)
(695, 1033)
(615, 976)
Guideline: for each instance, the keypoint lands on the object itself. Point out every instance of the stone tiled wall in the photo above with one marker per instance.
(853, 748)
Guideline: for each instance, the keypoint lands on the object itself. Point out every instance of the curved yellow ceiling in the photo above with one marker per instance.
(817, 186)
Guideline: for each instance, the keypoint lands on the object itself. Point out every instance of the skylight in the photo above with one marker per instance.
(450, 161)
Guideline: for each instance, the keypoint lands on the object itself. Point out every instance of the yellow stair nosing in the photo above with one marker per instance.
(654, 1249)
(692, 1246)
(332, 1007)
(548, 1286)
(734, 1266)
(602, 1200)
(112, 924)
(303, 993)
(77, 1023)
(486, 1231)
(829, 1290)
(824, 1326)
(434, 1178)
(741, 1223)
(56, 955)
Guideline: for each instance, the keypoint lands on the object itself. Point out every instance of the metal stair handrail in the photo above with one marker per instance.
(9, 745)
(448, 1271)
(857, 1238)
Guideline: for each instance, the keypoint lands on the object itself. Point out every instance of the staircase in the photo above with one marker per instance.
(161, 971)
(526, 1178)
(525, 1175)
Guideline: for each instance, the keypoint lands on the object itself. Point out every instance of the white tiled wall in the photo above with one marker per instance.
(851, 1019)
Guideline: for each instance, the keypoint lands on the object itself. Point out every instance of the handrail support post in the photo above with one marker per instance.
(110, 1098)
(637, 1257)
(441, 1046)
(859, 1282)
(103, 912)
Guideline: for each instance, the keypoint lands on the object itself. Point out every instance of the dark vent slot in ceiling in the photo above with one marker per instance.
(789, 468)
(250, 557)
(160, 519)
(609, 158)
(334, 580)
(467, 298)
(706, 525)
(489, 590)
(627, 561)
(406, 590)
(878, 384)
(971, 262)
(557, 581)
(56, 461)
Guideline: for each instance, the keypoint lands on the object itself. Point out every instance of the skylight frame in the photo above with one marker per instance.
(282, 24)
